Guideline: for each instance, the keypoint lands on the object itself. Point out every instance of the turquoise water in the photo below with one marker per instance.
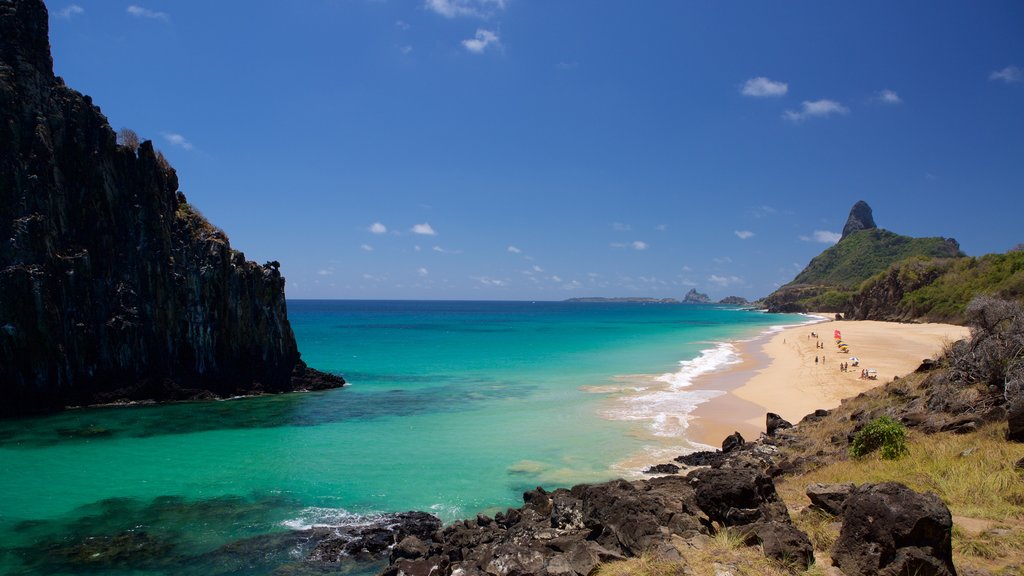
(454, 408)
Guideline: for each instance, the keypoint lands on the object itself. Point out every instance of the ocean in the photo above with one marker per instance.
(454, 408)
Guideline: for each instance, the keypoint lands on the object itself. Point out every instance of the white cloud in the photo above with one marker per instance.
(661, 227)
(373, 278)
(537, 268)
(476, 8)
(1009, 74)
(401, 24)
(488, 281)
(556, 278)
(724, 281)
(366, 247)
(445, 251)
(177, 140)
(744, 234)
(514, 250)
(889, 97)
(723, 260)
(635, 245)
(762, 211)
(620, 227)
(69, 11)
(140, 12)
(378, 228)
(823, 236)
(405, 49)
(816, 109)
(762, 87)
(424, 229)
(422, 271)
(481, 41)
(325, 272)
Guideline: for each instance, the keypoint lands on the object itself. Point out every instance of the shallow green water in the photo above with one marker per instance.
(454, 407)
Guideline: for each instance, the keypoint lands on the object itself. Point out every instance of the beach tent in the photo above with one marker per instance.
(872, 374)
(837, 335)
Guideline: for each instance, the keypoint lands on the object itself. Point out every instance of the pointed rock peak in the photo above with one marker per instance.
(860, 219)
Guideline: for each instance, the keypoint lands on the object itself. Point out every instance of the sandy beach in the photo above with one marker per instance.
(793, 373)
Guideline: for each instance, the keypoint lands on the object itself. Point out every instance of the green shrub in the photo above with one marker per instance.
(882, 432)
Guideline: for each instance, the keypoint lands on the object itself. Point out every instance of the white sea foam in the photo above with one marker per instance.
(317, 517)
(723, 354)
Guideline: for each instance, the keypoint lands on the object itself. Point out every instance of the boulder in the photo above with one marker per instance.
(737, 496)
(829, 497)
(774, 423)
(1015, 420)
(732, 442)
(890, 529)
(782, 541)
(662, 469)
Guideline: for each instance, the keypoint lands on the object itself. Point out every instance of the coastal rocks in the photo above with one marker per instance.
(570, 532)
(732, 442)
(662, 469)
(114, 287)
(774, 423)
(373, 539)
(890, 529)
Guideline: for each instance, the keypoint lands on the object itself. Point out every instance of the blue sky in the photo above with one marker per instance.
(528, 149)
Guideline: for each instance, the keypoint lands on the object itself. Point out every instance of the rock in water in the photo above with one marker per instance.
(112, 286)
(860, 219)
(890, 529)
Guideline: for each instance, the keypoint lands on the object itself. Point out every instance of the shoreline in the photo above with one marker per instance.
(786, 373)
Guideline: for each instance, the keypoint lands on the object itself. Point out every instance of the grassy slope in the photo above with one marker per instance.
(945, 299)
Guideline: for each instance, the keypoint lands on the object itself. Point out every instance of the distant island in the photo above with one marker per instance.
(692, 297)
(626, 299)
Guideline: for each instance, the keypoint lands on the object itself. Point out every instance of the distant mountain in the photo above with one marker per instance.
(864, 250)
(626, 299)
(694, 297)
(734, 301)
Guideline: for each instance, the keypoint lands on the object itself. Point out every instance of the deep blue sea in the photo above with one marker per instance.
(453, 408)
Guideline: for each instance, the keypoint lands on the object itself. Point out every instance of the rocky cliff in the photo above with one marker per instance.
(111, 285)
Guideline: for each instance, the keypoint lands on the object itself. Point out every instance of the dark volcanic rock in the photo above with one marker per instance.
(702, 458)
(890, 529)
(570, 532)
(113, 287)
(662, 469)
(732, 442)
(737, 496)
(1015, 420)
(774, 423)
(829, 497)
(694, 297)
(374, 539)
(782, 541)
(860, 219)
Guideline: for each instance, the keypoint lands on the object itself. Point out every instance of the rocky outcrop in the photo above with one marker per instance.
(890, 529)
(694, 297)
(569, 532)
(860, 218)
(734, 301)
(112, 286)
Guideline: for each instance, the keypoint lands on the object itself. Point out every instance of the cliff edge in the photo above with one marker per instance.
(112, 287)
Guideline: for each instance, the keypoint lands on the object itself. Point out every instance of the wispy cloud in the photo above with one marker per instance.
(140, 12)
(635, 245)
(1009, 74)
(620, 227)
(474, 8)
(424, 229)
(488, 281)
(762, 87)
(661, 227)
(445, 250)
(422, 271)
(177, 140)
(743, 234)
(514, 250)
(816, 109)
(401, 24)
(762, 211)
(724, 281)
(69, 11)
(325, 272)
(366, 247)
(378, 228)
(888, 97)
(823, 236)
(482, 40)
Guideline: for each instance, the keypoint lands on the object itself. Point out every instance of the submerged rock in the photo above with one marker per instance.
(114, 287)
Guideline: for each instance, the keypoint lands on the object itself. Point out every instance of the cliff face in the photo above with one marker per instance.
(111, 285)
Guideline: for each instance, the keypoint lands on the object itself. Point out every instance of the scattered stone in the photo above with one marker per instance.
(737, 496)
(890, 529)
(732, 442)
(927, 365)
(701, 458)
(782, 541)
(968, 452)
(1015, 420)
